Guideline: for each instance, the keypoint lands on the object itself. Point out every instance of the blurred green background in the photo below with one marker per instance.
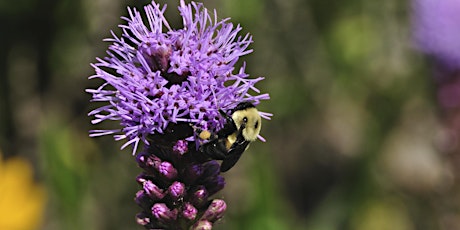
(353, 143)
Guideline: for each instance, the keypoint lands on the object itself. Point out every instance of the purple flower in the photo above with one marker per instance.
(155, 76)
(436, 29)
(162, 85)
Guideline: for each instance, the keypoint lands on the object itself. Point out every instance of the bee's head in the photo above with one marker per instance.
(247, 118)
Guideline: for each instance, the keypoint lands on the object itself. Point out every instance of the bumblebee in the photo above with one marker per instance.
(240, 129)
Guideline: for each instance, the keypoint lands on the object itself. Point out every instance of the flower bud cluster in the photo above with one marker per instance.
(176, 187)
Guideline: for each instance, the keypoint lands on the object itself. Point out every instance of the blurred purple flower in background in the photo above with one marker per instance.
(161, 86)
(436, 31)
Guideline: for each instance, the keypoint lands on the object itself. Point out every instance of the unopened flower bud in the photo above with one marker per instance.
(215, 210)
(199, 197)
(211, 169)
(181, 147)
(193, 172)
(156, 53)
(167, 170)
(143, 199)
(141, 159)
(143, 219)
(153, 190)
(202, 225)
(162, 213)
(148, 162)
(215, 184)
(141, 178)
(189, 211)
(153, 161)
(176, 190)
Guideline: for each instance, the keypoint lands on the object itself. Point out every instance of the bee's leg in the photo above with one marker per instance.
(235, 152)
(229, 126)
(233, 155)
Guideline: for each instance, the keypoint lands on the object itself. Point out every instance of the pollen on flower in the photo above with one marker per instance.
(155, 75)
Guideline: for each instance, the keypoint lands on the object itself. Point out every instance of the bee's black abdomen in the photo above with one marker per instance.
(215, 149)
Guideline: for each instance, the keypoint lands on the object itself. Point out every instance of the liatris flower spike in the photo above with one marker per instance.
(168, 88)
